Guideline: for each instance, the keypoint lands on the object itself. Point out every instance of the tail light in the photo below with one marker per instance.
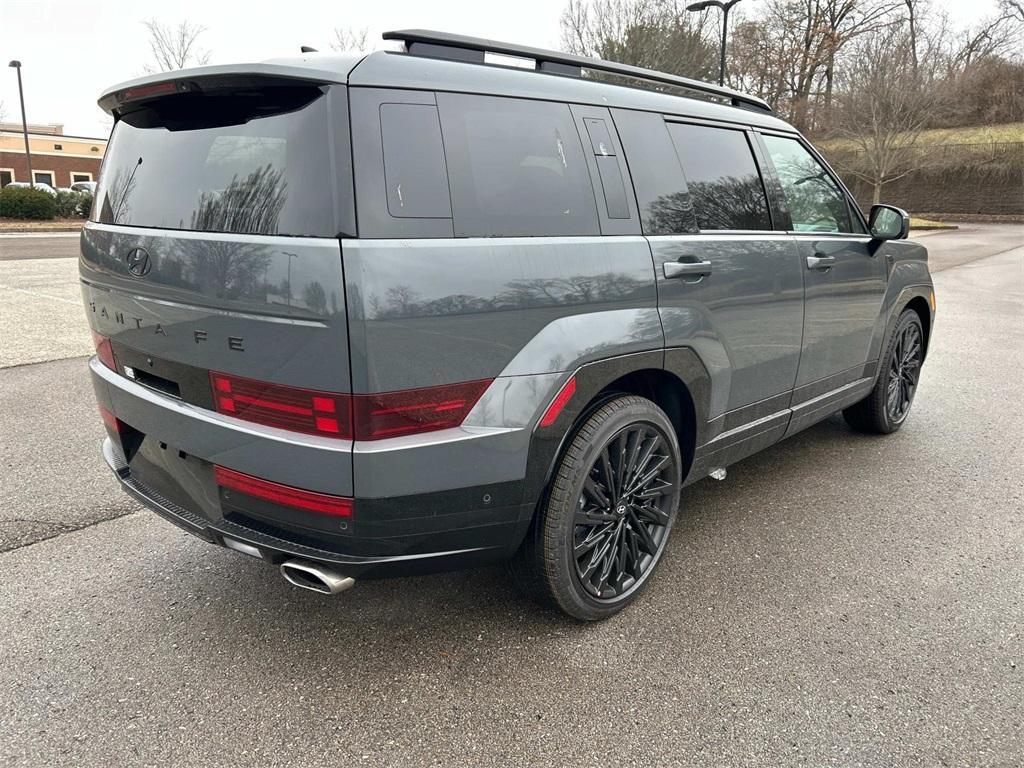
(104, 352)
(331, 414)
(285, 495)
(411, 411)
(300, 410)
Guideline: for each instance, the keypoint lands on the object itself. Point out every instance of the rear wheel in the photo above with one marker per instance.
(887, 407)
(610, 508)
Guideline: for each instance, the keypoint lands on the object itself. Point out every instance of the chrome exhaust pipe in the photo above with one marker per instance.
(315, 577)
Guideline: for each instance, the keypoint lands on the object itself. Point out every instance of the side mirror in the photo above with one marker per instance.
(889, 223)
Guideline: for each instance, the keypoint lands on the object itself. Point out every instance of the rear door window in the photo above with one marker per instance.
(253, 163)
(515, 168)
(816, 203)
(722, 177)
(665, 206)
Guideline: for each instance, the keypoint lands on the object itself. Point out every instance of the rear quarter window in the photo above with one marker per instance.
(515, 168)
(253, 163)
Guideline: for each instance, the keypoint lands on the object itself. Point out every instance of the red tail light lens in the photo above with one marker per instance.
(300, 410)
(411, 411)
(104, 352)
(286, 495)
(330, 414)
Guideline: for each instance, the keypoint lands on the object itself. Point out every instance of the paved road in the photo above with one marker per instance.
(838, 600)
(15, 247)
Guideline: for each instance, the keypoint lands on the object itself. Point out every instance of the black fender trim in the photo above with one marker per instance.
(547, 443)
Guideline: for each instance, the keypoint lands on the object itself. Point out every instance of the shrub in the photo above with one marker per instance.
(26, 203)
(72, 205)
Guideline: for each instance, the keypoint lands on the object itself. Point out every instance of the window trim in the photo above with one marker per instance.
(851, 201)
(753, 145)
(52, 174)
(72, 174)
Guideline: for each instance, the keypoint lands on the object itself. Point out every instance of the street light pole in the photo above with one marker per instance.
(725, 7)
(24, 124)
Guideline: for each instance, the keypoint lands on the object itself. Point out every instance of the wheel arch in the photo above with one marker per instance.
(674, 379)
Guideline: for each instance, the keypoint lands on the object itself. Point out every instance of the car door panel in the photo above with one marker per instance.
(844, 279)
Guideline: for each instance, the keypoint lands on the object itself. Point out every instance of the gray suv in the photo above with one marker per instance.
(373, 315)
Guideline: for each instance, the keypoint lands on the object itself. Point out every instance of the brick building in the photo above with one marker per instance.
(57, 159)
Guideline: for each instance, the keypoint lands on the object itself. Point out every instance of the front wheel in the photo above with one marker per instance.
(607, 517)
(887, 407)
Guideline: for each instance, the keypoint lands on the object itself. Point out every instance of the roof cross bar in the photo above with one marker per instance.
(424, 42)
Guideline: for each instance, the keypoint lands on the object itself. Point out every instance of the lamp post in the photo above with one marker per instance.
(726, 7)
(24, 123)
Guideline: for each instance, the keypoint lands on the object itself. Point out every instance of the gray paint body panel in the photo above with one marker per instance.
(744, 319)
(226, 287)
(436, 311)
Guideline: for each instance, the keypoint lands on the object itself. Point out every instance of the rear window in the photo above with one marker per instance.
(515, 167)
(255, 162)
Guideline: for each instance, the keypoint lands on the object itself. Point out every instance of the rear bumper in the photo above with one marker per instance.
(166, 461)
(276, 549)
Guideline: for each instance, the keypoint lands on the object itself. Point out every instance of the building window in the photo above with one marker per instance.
(58, 146)
(44, 177)
(76, 177)
(6, 176)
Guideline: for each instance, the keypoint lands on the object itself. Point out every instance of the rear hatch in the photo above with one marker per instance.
(212, 263)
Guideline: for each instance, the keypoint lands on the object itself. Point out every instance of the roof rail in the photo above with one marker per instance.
(442, 45)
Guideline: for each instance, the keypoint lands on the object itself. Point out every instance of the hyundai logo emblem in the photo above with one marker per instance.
(138, 262)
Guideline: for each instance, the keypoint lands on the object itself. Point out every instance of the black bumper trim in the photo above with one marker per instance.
(271, 547)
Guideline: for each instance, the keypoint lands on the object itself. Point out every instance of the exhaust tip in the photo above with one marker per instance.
(314, 577)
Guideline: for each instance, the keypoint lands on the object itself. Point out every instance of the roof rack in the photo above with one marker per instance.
(442, 45)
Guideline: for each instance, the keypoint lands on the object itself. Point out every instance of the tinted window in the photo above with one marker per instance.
(414, 171)
(722, 177)
(665, 207)
(253, 163)
(515, 167)
(816, 204)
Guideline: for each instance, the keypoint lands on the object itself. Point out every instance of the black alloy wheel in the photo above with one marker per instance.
(621, 522)
(904, 369)
(886, 408)
(603, 525)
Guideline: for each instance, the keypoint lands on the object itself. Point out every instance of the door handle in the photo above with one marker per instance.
(673, 269)
(821, 262)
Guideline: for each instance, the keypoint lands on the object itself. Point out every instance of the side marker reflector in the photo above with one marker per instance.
(558, 404)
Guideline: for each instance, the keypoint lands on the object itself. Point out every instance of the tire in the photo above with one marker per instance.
(887, 407)
(631, 528)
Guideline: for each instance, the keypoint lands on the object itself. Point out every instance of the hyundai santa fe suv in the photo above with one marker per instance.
(363, 316)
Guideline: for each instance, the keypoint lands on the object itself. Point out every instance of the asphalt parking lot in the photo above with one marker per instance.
(838, 600)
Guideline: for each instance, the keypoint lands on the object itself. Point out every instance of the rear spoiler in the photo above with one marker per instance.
(314, 69)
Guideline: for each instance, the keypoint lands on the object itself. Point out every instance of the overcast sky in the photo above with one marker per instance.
(72, 49)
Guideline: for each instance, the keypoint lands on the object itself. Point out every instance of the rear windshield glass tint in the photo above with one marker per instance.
(515, 167)
(255, 163)
(722, 177)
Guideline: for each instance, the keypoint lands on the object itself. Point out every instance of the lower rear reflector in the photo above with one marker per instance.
(285, 495)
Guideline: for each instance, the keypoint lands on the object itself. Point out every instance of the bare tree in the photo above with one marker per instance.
(1012, 9)
(646, 33)
(174, 47)
(883, 109)
(348, 39)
